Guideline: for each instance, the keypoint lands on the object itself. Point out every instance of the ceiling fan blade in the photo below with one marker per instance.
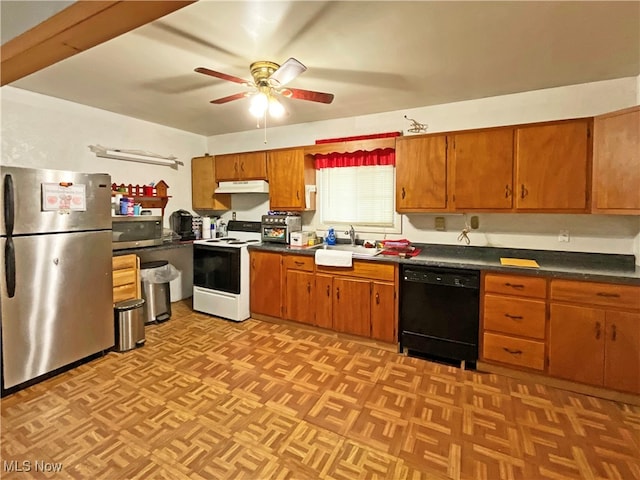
(230, 98)
(287, 72)
(307, 95)
(223, 76)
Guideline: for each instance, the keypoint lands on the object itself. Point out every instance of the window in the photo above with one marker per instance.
(363, 196)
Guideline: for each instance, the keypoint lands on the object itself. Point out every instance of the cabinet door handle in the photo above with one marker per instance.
(523, 191)
(308, 287)
(235, 167)
(377, 298)
(242, 166)
(507, 191)
(614, 333)
(403, 193)
(253, 263)
(299, 263)
(598, 330)
(513, 317)
(514, 285)
(512, 352)
(328, 291)
(338, 293)
(297, 195)
(608, 295)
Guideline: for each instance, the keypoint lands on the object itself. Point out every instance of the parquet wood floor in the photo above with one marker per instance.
(212, 399)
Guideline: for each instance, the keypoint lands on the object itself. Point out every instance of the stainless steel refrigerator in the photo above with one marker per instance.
(56, 285)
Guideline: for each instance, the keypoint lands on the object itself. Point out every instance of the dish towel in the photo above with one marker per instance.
(333, 258)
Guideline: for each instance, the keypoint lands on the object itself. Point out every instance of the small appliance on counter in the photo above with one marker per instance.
(302, 239)
(182, 224)
(278, 227)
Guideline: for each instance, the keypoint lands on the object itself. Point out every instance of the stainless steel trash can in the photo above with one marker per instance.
(157, 296)
(129, 324)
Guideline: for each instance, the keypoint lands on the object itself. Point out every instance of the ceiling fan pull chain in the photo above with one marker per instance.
(265, 127)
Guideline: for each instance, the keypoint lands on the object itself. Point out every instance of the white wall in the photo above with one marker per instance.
(45, 132)
(588, 233)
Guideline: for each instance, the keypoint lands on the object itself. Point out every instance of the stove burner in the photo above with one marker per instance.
(227, 239)
(252, 240)
(236, 242)
(214, 240)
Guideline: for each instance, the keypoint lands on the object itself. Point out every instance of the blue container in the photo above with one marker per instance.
(331, 237)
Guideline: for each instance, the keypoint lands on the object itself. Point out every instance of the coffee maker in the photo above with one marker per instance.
(181, 224)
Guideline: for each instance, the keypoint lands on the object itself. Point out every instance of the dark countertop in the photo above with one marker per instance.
(164, 246)
(600, 267)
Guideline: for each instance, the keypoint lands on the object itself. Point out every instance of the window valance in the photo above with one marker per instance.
(379, 156)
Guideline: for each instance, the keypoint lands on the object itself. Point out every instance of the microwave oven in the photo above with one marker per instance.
(278, 228)
(136, 231)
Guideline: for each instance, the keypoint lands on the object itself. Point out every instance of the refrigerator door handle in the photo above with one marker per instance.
(10, 267)
(8, 204)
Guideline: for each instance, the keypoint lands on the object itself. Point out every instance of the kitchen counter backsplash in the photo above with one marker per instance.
(603, 267)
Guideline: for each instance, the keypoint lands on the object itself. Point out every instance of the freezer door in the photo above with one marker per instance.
(29, 197)
(62, 308)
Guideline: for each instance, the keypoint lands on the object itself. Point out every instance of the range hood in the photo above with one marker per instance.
(246, 186)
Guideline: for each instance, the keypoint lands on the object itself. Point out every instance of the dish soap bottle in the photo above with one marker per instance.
(331, 236)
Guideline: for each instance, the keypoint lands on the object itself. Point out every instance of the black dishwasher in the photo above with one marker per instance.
(439, 313)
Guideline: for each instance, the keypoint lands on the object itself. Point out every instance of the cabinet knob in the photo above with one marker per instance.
(377, 298)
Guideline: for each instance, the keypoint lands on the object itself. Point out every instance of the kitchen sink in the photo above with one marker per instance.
(356, 250)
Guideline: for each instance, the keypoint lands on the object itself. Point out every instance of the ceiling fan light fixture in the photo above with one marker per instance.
(276, 110)
(259, 105)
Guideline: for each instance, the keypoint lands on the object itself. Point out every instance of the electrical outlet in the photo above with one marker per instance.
(563, 236)
(440, 224)
(475, 222)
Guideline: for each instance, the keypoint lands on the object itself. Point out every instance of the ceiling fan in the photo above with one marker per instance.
(269, 80)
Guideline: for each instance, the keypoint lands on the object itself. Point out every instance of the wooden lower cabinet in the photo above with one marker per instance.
(383, 308)
(300, 296)
(126, 278)
(595, 346)
(360, 300)
(514, 320)
(265, 283)
(324, 300)
(352, 306)
(585, 332)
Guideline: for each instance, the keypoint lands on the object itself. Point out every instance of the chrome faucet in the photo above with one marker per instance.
(352, 234)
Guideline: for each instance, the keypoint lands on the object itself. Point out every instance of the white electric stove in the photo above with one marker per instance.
(221, 272)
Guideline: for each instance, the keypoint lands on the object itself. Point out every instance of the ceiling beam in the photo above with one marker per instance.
(80, 26)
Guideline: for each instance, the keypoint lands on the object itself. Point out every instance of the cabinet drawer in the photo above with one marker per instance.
(372, 270)
(299, 262)
(124, 261)
(514, 351)
(516, 285)
(516, 316)
(601, 294)
(124, 292)
(124, 277)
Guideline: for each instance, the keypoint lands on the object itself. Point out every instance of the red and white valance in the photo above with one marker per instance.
(379, 156)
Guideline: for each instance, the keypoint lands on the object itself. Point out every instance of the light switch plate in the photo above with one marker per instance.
(440, 226)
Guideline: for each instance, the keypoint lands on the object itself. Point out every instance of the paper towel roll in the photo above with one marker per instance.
(206, 227)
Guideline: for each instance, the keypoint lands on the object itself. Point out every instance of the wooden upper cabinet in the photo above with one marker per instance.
(203, 185)
(552, 165)
(481, 172)
(289, 171)
(421, 173)
(241, 166)
(616, 162)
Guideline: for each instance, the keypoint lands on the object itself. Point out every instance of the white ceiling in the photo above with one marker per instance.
(374, 56)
